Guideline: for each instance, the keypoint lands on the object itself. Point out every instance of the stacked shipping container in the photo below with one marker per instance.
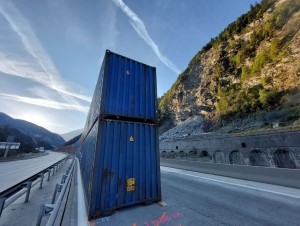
(119, 156)
(125, 89)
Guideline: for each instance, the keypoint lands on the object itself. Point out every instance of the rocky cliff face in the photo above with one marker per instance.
(253, 66)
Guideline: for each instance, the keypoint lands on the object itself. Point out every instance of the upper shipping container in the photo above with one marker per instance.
(125, 88)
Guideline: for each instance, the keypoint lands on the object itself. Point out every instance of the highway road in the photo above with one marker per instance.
(14, 172)
(194, 198)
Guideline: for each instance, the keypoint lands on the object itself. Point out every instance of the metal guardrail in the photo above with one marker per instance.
(53, 208)
(9, 196)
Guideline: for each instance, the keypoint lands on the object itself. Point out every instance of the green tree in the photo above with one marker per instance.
(259, 61)
(245, 74)
(267, 97)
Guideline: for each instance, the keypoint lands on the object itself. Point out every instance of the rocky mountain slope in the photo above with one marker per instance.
(31, 130)
(247, 77)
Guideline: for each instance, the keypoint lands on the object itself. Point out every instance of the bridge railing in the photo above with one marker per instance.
(53, 208)
(10, 195)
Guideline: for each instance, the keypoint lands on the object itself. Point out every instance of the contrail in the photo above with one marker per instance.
(140, 28)
(47, 73)
(45, 103)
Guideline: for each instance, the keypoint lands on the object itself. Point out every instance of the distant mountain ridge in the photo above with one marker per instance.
(68, 136)
(73, 140)
(27, 143)
(31, 130)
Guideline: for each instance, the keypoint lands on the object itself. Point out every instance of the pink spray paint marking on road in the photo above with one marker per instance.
(164, 218)
(161, 218)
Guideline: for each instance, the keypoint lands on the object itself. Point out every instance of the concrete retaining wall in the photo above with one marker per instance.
(234, 142)
(281, 149)
(278, 176)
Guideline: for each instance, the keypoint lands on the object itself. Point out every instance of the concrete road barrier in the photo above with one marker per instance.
(278, 176)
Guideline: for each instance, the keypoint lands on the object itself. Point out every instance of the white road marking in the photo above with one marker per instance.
(82, 218)
(234, 184)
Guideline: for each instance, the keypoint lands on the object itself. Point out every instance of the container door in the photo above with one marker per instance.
(127, 165)
(130, 88)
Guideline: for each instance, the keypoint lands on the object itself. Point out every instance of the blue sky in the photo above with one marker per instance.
(51, 50)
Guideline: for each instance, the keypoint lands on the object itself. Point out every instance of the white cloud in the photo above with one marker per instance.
(39, 66)
(45, 103)
(140, 28)
(25, 68)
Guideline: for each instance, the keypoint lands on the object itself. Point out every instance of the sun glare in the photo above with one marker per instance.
(36, 118)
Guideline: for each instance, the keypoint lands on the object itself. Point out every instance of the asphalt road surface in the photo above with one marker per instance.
(14, 172)
(201, 199)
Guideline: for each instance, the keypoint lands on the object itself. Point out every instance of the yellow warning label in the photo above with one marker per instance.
(130, 188)
(127, 72)
(130, 184)
(131, 139)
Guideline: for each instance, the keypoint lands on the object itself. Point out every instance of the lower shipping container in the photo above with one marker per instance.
(119, 162)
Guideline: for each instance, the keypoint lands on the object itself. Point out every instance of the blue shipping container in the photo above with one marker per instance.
(86, 157)
(125, 88)
(120, 166)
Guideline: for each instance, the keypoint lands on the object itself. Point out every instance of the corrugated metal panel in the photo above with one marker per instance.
(125, 88)
(125, 168)
(95, 104)
(86, 159)
(129, 89)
